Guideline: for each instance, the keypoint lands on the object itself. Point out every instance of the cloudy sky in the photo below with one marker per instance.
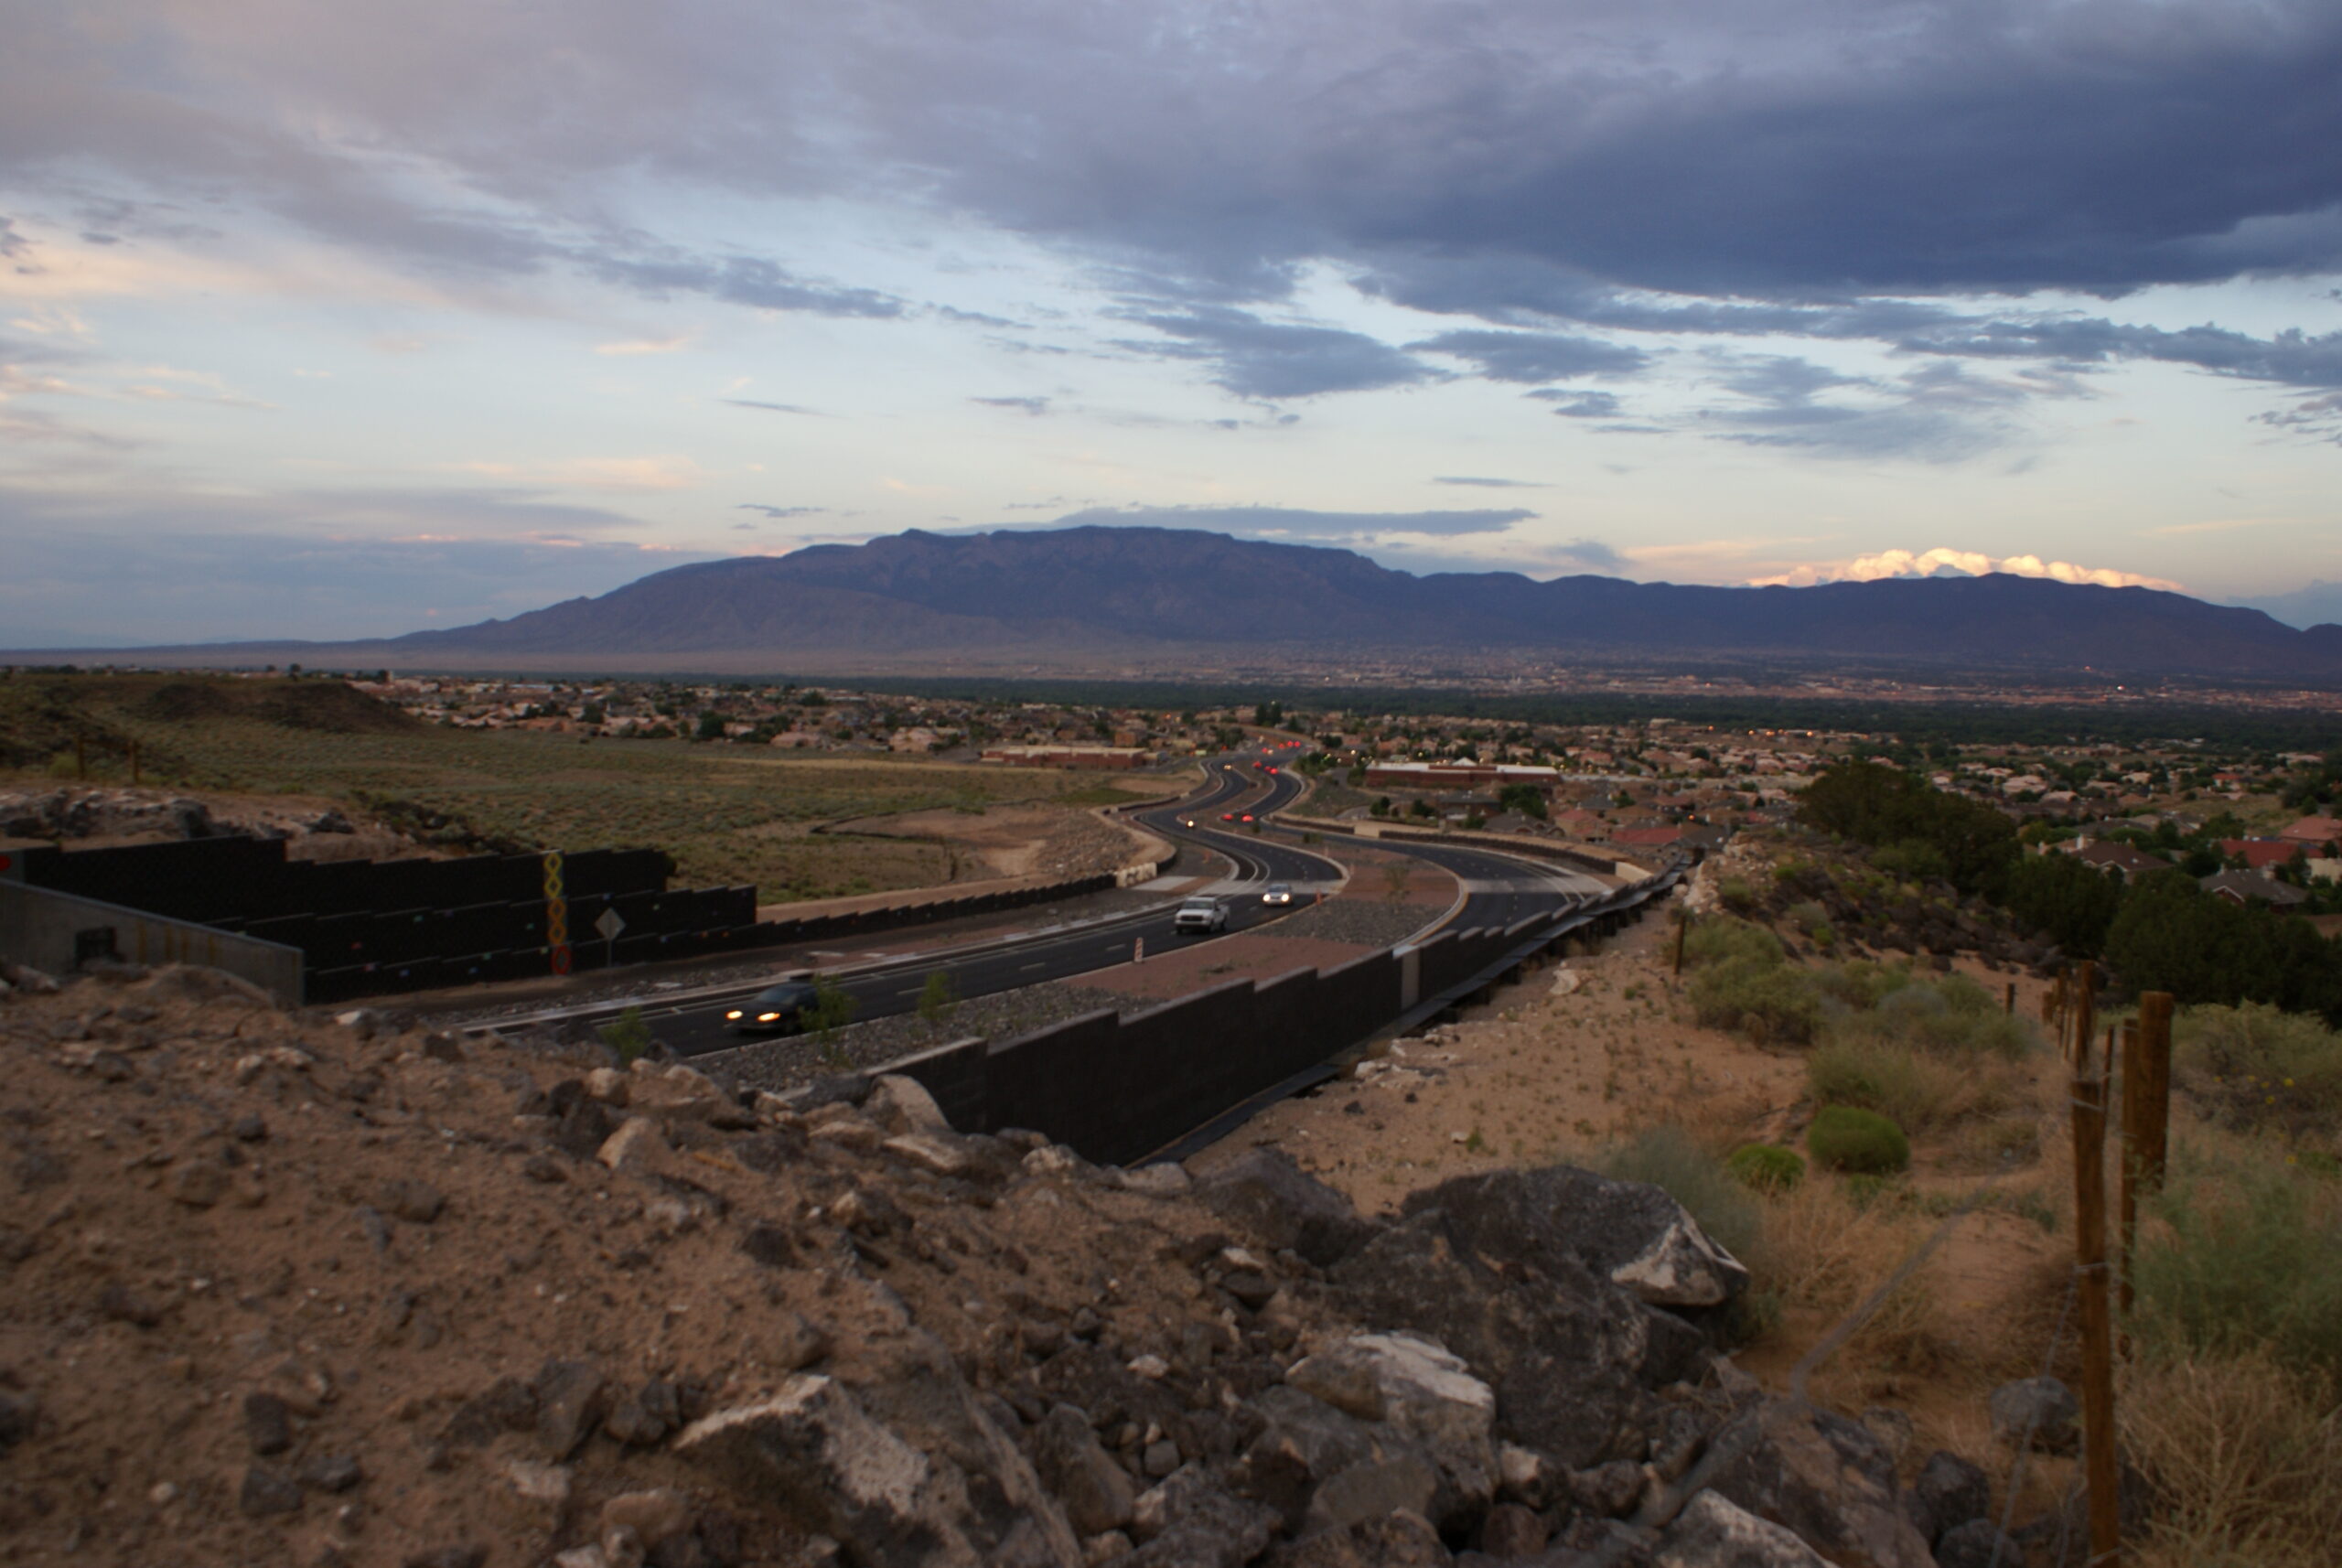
(326, 320)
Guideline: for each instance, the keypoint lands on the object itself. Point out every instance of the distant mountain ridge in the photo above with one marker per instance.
(1096, 593)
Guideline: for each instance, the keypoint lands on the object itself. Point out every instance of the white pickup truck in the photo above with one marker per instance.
(1200, 915)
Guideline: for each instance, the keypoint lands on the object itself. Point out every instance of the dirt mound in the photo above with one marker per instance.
(333, 707)
(188, 702)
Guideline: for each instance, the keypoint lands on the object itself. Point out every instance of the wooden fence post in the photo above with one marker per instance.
(2089, 1092)
(1682, 926)
(2081, 1014)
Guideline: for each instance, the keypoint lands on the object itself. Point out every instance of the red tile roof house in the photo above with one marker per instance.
(2258, 854)
(2313, 831)
(1645, 838)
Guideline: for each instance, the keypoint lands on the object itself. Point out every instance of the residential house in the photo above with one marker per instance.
(2251, 887)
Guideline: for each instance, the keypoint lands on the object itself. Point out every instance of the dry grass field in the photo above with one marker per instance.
(728, 814)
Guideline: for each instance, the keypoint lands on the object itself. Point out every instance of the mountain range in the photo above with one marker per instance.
(1075, 597)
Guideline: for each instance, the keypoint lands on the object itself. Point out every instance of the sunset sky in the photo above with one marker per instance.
(323, 320)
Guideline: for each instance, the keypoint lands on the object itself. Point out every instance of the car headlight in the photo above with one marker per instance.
(734, 1016)
(768, 1017)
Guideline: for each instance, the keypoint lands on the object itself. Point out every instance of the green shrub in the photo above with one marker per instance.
(1771, 1003)
(1814, 921)
(1767, 1167)
(1668, 1159)
(2249, 1256)
(1845, 1138)
(2259, 1067)
(1721, 941)
(628, 1035)
(1862, 984)
(938, 999)
(1950, 1017)
(1738, 895)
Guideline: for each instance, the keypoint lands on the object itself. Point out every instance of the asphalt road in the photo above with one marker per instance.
(1501, 891)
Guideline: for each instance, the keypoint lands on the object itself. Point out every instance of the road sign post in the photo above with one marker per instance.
(609, 925)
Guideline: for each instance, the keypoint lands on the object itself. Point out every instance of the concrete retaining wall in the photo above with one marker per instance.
(59, 932)
(1118, 1089)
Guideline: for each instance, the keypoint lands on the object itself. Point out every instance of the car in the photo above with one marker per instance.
(1200, 915)
(1277, 893)
(1272, 768)
(1247, 817)
(776, 1010)
(1229, 817)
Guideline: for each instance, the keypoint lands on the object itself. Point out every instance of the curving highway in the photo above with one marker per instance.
(1498, 890)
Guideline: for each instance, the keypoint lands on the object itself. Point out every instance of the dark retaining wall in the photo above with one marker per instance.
(1116, 1089)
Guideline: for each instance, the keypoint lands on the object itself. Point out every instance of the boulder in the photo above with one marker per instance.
(1562, 1347)
(637, 1145)
(1713, 1532)
(1511, 1531)
(812, 1450)
(1264, 1191)
(1396, 1539)
(1948, 1492)
(2041, 1412)
(1978, 1544)
(1190, 1521)
(569, 1405)
(1419, 1387)
(902, 1105)
(1305, 1444)
(1096, 1493)
(1630, 1232)
(1825, 1478)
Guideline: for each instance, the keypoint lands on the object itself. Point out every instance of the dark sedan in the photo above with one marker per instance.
(776, 1010)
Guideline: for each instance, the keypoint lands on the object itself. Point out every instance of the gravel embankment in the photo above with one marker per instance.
(784, 1064)
(1370, 922)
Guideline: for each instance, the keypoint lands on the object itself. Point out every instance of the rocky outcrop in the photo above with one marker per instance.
(1825, 1478)
(1570, 1354)
(429, 1299)
(1630, 1232)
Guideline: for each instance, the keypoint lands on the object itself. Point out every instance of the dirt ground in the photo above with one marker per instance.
(1009, 841)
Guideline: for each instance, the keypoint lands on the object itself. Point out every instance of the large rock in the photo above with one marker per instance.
(1095, 1492)
(1422, 1389)
(1563, 1348)
(902, 1105)
(812, 1450)
(1827, 1479)
(1712, 1532)
(1319, 1465)
(1190, 1521)
(1264, 1191)
(1947, 1493)
(1630, 1232)
(2041, 1412)
(1395, 1540)
(1978, 1544)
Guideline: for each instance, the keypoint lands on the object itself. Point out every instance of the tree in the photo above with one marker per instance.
(938, 999)
(710, 727)
(2059, 895)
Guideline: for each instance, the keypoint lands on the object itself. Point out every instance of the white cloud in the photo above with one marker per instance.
(1966, 562)
(640, 346)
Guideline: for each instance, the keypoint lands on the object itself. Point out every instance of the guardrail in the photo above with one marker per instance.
(1120, 1088)
(61, 932)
